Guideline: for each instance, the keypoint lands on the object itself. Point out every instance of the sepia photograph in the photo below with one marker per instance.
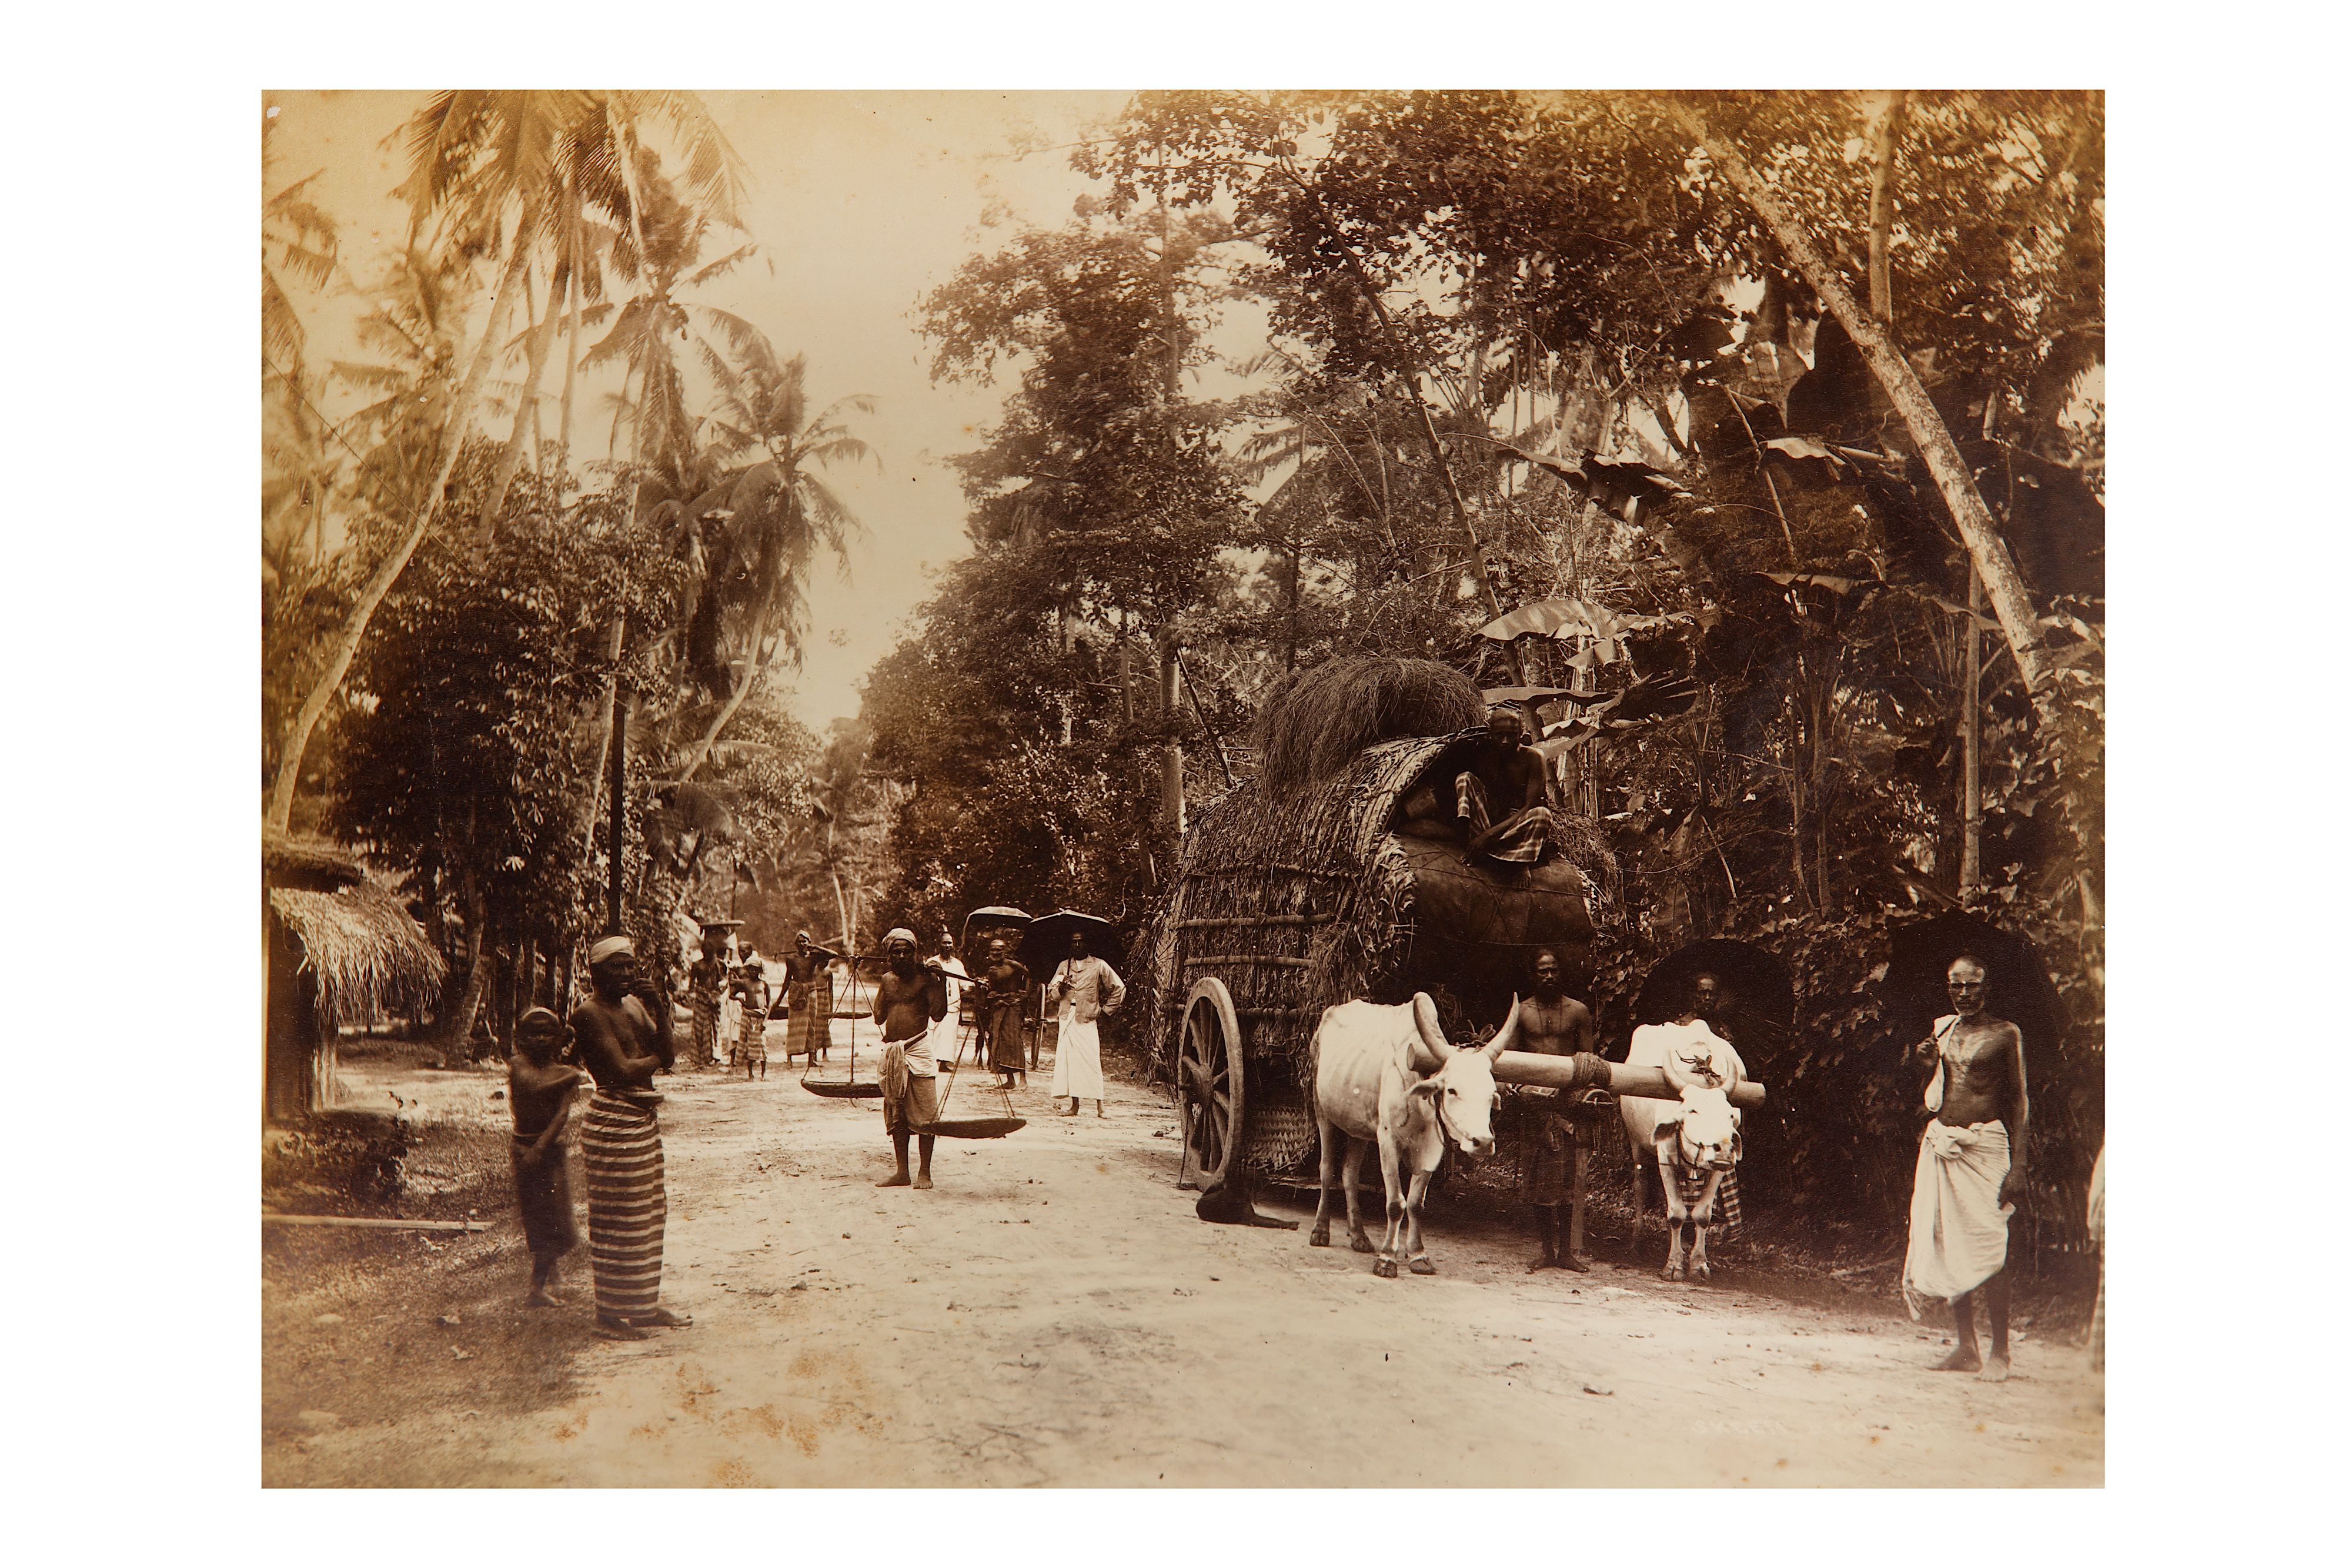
(1182, 788)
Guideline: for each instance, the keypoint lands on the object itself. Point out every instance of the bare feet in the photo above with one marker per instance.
(899, 1180)
(1573, 1264)
(1962, 1358)
(614, 1328)
(1996, 1368)
(923, 1182)
(542, 1299)
(662, 1318)
(1072, 1111)
(1098, 1110)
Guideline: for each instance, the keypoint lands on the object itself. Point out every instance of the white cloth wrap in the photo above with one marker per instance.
(1077, 1059)
(1959, 1227)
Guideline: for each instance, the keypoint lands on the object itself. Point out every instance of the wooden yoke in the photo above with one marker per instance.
(1583, 1071)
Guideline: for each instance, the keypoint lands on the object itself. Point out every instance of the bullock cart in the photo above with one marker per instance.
(1287, 901)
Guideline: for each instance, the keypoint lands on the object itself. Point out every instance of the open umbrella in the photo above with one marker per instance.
(1047, 940)
(2017, 982)
(1763, 1001)
(995, 917)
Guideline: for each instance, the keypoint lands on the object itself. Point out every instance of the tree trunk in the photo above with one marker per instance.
(758, 663)
(1971, 739)
(619, 814)
(298, 740)
(572, 344)
(1171, 758)
(1885, 139)
(542, 338)
(2011, 605)
(458, 1029)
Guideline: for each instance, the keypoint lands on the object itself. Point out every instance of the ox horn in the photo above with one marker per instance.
(1506, 1036)
(1424, 1019)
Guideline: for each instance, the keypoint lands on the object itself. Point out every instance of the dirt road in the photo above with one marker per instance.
(1053, 1313)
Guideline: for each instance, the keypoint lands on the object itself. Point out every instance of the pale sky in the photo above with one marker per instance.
(860, 204)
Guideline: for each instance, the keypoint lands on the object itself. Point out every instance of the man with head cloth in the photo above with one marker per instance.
(911, 997)
(808, 999)
(624, 1034)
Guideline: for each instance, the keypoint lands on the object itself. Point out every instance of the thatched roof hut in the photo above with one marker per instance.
(340, 950)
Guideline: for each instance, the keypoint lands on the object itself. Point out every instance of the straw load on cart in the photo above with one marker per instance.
(1339, 872)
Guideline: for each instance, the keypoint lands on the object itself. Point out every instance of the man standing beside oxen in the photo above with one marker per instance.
(1971, 1164)
(1553, 1023)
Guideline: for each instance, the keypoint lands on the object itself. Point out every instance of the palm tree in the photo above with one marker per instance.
(512, 169)
(772, 513)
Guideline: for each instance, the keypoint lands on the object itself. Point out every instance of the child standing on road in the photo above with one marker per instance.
(539, 1088)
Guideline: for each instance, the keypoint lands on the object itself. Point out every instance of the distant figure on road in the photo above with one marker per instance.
(1971, 1165)
(1502, 798)
(1003, 1008)
(625, 1035)
(1553, 1023)
(751, 986)
(1085, 988)
(539, 1093)
(808, 996)
(910, 998)
(706, 982)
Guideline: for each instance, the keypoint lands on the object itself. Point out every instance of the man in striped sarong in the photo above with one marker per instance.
(808, 999)
(624, 1036)
(751, 1044)
(1502, 797)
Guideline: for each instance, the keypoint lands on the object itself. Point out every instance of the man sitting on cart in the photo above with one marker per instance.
(1503, 797)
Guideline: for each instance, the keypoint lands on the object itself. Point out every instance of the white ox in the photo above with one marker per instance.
(1693, 1142)
(1366, 1092)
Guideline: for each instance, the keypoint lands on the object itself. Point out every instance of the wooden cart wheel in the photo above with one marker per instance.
(1209, 1083)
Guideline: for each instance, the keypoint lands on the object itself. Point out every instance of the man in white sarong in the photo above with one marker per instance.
(1085, 988)
(1971, 1163)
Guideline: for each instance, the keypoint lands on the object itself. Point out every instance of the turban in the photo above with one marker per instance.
(607, 948)
(900, 934)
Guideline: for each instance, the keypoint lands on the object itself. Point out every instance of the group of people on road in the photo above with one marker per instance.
(624, 1035)
(1971, 1168)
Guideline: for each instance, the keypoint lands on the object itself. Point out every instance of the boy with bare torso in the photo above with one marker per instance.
(540, 1091)
(1971, 1166)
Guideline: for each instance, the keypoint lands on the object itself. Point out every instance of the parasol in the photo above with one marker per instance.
(1763, 995)
(995, 917)
(1047, 941)
(2017, 982)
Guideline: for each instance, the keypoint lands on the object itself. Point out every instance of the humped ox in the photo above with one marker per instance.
(1366, 1092)
(1693, 1142)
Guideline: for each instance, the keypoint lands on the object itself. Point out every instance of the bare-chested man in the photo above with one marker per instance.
(1503, 797)
(623, 1031)
(1554, 1023)
(910, 999)
(1971, 1166)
